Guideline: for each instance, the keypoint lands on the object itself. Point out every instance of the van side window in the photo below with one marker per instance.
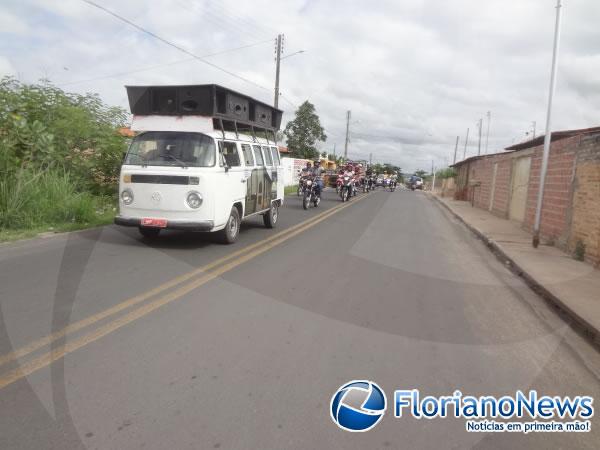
(230, 153)
(268, 157)
(248, 158)
(258, 155)
(276, 159)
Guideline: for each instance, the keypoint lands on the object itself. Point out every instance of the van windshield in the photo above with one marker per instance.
(172, 148)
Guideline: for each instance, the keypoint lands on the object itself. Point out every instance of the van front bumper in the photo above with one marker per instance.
(185, 225)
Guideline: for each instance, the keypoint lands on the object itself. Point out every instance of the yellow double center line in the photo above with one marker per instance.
(207, 272)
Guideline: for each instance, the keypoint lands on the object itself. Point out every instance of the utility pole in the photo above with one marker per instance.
(347, 134)
(433, 181)
(548, 135)
(370, 158)
(278, 63)
(479, 145)
(487, 136)
(534, 124)
(466, 140)
(334, 156)
(455, 149)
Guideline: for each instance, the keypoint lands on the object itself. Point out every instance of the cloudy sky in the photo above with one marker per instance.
(414, 73)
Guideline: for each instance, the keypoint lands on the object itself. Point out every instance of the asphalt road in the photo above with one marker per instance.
(112, 342)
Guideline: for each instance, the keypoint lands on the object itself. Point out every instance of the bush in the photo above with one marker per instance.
(579, 253)
(30, 199)
(42, 127)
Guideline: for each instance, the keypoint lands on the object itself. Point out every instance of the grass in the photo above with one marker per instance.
(34, 202)
(290, 189)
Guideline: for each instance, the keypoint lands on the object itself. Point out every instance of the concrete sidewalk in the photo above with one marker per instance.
(572, 285)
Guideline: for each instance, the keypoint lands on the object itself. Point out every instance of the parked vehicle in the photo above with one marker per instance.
(193, 167)
(416, 183)
(311, 194)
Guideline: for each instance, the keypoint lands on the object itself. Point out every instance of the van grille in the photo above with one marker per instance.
(163, 179)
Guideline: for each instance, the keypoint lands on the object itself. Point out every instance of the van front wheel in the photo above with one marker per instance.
(229, 234)
(271, 216)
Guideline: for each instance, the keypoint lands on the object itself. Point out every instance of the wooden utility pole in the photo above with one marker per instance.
(278, 62)
(479, 145)
(347, 135)
(455, 149)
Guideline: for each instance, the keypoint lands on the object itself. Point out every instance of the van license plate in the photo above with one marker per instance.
(159, 223)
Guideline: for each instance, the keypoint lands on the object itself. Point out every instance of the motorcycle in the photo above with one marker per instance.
(392, 185)
(310, 194)
(347, 189)
(338, 183)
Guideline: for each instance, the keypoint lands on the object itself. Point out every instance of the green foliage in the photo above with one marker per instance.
(421, 173)
(448, 172)
(304, 132)
(44, 197)
(579, 253)
(42, 127)
(60, 156)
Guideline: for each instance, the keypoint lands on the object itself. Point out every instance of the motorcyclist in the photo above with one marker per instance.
(349, 172)
(304, 172)
(317, 173)
(412, 181)
(306, 169)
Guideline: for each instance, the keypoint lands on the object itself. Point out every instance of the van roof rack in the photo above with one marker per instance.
(209, 100)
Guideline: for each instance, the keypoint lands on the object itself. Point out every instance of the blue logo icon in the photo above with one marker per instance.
(358, 405)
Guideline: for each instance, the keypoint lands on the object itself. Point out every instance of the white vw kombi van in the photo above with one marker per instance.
(204, 158)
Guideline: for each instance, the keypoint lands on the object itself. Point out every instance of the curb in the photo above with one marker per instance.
(576, 320)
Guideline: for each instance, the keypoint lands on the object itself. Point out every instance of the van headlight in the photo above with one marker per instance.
(127, 196)
(194, 200)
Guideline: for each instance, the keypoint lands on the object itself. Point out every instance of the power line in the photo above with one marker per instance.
(171, 44)
(158, 66)
(222, 21)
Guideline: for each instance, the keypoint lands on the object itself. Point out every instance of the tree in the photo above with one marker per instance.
(448, 172)
(420, 173)
(41, 127)
(304, 132)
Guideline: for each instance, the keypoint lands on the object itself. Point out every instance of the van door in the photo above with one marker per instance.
(251, 179)
(233, 188)
(278, 170)
(269, 177)
(259, 176)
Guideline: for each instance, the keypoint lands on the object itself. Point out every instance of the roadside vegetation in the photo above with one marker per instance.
(60, 155)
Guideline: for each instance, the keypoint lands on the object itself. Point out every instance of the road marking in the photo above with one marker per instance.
(213, 272)
(83, 323)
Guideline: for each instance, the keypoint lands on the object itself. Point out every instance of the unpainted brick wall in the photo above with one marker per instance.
(585, 224)
(557, 191)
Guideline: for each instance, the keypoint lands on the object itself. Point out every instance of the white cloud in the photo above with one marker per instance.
(415, 74)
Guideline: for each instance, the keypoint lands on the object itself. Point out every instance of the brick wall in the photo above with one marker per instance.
(557, 192)
(571, 207)
(502, 190)
(482, 171)
(585, 224)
